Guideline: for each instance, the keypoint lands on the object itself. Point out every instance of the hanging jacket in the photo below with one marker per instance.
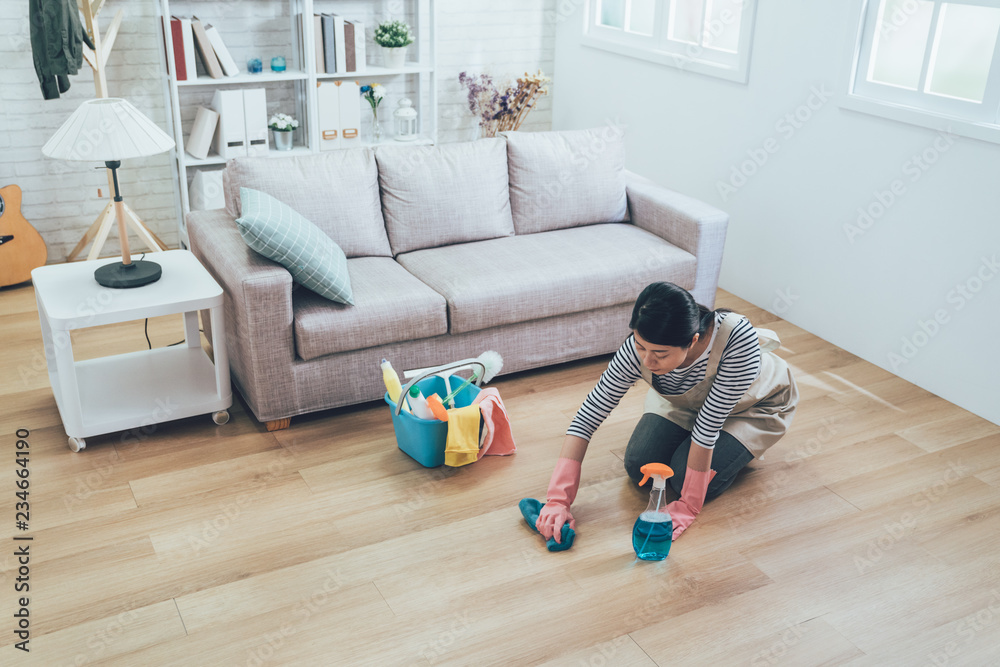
(56, 43)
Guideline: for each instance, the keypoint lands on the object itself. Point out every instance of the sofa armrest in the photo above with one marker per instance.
(688, 223)
(258, 307)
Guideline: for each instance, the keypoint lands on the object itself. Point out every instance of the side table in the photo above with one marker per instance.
(135, 389)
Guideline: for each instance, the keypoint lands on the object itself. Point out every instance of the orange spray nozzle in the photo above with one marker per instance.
(650, 469)
(437, 407)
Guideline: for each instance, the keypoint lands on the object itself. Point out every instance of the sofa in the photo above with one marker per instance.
(533, 244)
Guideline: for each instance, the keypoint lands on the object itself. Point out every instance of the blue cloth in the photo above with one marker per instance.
(530, 509)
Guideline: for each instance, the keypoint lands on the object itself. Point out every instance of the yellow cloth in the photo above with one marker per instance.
(462, 445)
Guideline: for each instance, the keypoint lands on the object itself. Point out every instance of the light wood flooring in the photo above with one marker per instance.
(869, 536)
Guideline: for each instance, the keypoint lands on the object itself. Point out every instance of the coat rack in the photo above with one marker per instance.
(97, 58)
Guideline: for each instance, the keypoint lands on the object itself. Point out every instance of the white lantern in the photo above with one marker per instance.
(406, 121)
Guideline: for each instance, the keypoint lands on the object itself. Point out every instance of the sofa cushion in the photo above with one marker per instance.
(277, 232)
(521, 278)
(336, 190)
(435, 196)
(390, 305)
(566, 179)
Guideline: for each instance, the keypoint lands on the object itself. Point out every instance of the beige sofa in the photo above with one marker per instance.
(533, 244)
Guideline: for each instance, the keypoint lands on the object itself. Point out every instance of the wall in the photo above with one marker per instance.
(911, 285)
(61, 198)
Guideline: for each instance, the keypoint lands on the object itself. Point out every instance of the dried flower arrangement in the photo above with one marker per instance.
(502, 107)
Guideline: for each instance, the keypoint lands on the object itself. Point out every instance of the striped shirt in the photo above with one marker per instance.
(738, 368)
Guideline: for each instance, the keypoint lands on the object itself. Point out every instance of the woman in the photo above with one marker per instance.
(718, 398)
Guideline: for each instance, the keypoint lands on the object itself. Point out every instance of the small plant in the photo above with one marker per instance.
(393, 34)
(373, 94)
(500, 107)
(282, 122)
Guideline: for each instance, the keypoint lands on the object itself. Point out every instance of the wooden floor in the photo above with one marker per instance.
(869, 536)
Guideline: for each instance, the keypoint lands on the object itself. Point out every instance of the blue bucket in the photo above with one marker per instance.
(424, 440)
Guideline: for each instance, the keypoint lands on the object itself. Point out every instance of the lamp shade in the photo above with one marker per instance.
(106, 129)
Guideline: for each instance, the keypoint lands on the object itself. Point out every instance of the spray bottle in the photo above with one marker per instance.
(653, 530)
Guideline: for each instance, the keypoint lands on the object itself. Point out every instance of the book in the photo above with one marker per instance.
(255, 120)
(206, 192)
(205, 49)
(229, 67)
(230, 140)
(338, 41)
(360, 52)
(329, 49)
(177, 42)
(202, 132)
(188, 38)
(350, 63)
(318, 37)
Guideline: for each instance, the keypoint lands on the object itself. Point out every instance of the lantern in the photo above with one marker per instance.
(405, 118)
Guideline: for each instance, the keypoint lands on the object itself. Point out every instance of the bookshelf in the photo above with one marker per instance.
(265, 28)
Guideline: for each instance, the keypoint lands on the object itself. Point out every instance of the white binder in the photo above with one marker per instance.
(350, 114)
(230, 138)
(202, 132)
(255, 120)
(328, 103)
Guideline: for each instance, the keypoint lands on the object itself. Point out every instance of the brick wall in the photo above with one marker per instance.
(61, 198)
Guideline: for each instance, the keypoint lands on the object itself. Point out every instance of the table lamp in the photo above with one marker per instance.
(111, 129)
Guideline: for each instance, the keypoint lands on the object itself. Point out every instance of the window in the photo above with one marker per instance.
(706, 36)
(931, 56)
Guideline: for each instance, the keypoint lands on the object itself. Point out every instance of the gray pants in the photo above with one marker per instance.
(657, 439)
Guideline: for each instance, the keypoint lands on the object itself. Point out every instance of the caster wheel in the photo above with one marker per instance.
(220, 417)
(77, 444)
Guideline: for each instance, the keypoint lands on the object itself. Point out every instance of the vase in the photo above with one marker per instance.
(375, 130)
(394, 58)
(283, 139)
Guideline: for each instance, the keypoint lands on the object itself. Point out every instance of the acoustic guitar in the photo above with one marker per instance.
(22, 248)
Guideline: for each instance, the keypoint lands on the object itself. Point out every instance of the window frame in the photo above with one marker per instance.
(967, 118)
(659, 49)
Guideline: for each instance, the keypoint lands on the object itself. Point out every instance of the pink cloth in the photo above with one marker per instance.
(497, 438)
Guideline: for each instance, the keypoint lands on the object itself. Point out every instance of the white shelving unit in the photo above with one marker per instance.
(416, 80)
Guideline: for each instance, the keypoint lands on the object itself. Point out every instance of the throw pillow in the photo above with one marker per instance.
(439, 195)
(566, 179)
(277, 232)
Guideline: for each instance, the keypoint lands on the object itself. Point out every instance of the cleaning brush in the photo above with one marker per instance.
(492, 363)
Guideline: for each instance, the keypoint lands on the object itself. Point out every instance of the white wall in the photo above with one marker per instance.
(61, 199)
(787, 249)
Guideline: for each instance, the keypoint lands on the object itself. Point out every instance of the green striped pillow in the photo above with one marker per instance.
(277, 232)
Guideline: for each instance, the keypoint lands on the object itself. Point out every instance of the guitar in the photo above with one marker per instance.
(22, 248)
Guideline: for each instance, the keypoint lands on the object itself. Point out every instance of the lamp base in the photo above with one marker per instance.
(121, 275)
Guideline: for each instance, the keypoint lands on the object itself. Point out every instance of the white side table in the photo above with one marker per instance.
(136, 389)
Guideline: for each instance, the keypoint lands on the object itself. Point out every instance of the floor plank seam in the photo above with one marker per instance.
(842, 498)
(180, 616)
(383, 599)
(639, 646)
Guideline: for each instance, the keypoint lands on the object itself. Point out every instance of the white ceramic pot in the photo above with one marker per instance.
(394, 58)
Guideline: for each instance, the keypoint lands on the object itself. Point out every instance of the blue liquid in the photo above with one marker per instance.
(651, 539)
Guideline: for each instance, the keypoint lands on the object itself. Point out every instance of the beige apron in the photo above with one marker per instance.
(760, 417)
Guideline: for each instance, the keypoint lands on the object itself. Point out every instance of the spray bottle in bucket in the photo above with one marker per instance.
(653, 530)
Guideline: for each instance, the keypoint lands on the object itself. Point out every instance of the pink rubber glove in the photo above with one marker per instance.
(686, 508)
(561, 494)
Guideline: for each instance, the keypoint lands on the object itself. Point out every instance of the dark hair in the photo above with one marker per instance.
(665, 314)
